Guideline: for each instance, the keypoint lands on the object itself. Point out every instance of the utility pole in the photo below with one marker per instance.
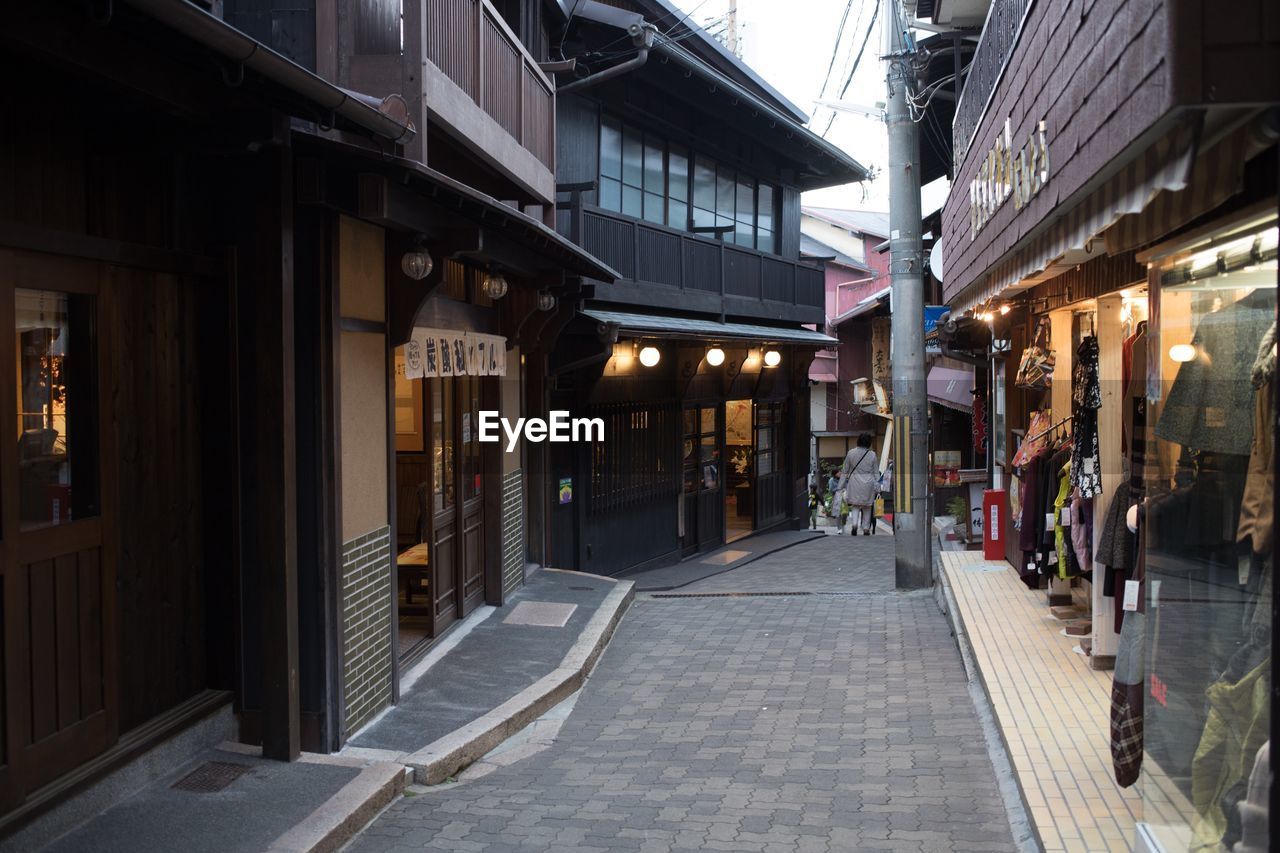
(913, 528)
(732, 31)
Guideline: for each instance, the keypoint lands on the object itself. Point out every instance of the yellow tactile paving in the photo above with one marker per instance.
(1052, 709)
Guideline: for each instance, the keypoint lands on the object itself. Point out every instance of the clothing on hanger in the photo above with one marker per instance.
(1086, 399)
(1211, 390)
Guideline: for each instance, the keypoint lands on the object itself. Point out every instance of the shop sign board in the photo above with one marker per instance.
(1006, 173)
(442, 352)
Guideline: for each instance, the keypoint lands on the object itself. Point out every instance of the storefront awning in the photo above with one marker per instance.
(685, 327)
(1068, 239)
(952, 387)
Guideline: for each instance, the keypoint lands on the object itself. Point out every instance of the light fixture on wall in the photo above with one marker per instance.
(649, 356)
(715, 356)
(772, 358)
(416, 264)
(495, 286)
(546, 300)
(1005, 309)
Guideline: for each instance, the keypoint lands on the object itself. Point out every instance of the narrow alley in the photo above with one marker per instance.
(795, 704)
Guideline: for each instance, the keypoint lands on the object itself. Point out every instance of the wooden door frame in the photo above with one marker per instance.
(436, 628)
(477, 504)
(30, 271)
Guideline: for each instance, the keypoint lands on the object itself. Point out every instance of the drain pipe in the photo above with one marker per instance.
(641, 37)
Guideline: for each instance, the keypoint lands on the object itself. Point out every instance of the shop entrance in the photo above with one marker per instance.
(440, 569)
(740, 469)
(702, 504)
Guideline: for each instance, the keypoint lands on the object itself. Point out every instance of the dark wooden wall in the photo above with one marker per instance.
(158, 361)
(115, 188)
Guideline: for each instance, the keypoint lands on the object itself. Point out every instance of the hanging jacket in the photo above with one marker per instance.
(1061, 534)
(1237, 726)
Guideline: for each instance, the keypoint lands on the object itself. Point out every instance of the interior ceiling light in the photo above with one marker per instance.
(649, 356)
(1182, 352)
(772, 358)
(715, 356)
(495, 286)
(416, 264)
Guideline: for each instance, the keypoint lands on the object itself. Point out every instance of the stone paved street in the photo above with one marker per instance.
(797, 723)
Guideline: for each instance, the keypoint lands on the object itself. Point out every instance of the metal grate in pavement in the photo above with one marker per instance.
(211, 777)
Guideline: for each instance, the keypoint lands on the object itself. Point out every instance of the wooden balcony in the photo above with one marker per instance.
(473, 60)
(665, 267)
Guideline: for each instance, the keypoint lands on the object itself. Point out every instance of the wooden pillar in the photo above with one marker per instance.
(268, 465)
(1060, 400)
(1110, 418)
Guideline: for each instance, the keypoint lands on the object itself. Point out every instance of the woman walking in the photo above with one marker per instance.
(858, 479)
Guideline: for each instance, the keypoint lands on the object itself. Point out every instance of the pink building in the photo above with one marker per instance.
(857, 295)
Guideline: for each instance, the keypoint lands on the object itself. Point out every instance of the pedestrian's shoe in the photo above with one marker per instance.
(853, 532)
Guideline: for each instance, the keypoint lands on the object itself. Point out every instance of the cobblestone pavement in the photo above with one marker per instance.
(787, 723)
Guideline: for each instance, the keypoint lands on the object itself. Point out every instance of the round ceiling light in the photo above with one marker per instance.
(1182, 352)
(649, 356)
(715, 356)
(772, 358)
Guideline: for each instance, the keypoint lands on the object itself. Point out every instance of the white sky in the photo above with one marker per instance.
(789, 43)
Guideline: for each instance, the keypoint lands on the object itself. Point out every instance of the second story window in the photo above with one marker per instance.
(645, 177)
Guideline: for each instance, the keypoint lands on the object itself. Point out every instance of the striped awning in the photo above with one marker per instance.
(1072, 237)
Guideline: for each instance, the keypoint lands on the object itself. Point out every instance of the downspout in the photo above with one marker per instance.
(643, 39)
(235, 46)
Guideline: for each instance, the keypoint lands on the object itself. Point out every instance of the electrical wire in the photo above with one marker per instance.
(858, 59)
(835, 48)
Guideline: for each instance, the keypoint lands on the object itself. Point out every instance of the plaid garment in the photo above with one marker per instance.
(1126, 700)
(1126, 732)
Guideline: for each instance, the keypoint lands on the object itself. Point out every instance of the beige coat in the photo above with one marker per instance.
(859, 476)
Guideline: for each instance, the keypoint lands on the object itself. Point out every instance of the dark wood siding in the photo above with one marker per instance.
(1099, 77)
(577, 142)
(158, 420)
(790, 227)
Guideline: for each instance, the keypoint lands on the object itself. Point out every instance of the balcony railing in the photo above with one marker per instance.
(649, 254)
(471, 44)
(999, 36)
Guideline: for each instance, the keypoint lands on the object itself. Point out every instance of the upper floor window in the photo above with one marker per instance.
(644, 176)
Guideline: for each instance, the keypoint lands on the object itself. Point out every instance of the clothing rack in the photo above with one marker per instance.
(1047, 429)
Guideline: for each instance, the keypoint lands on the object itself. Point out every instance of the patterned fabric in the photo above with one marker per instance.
(1126, 701)
(1086, 398)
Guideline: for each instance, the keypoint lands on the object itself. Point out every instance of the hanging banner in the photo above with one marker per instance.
(443, 352)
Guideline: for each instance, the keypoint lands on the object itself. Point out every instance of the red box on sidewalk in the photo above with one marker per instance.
(994, 523)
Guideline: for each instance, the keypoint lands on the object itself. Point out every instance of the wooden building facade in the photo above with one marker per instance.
(218, 235)
(682, 170)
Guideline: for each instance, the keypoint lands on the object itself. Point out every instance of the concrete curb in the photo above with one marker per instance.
(443, 758)
(346, 812)
(1025, 834)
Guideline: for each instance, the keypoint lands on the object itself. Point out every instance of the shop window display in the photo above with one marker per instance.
(1205, 542)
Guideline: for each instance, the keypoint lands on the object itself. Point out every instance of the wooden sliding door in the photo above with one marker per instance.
(58, 706)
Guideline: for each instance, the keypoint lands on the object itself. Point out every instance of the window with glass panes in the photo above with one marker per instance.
(643, 176)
